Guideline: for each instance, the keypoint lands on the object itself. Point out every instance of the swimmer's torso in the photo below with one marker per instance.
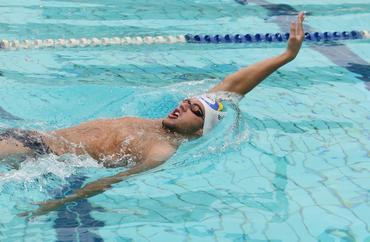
(114, 142)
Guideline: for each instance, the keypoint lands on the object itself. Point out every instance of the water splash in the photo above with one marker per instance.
(60, 166)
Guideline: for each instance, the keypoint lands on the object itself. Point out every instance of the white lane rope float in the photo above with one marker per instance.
(188, 38)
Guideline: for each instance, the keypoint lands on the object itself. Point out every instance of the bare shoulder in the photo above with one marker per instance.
(160, 152)
(130, 119)
(110, 121)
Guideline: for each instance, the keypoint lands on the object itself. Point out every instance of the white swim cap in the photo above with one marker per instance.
(212, 111)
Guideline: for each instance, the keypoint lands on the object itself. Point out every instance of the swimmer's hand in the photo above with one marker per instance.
(91, 189)
(296, 37)
(245, 79)
(87, 191)
(44, 208)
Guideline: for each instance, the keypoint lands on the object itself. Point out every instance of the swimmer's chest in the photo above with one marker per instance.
(131, 137)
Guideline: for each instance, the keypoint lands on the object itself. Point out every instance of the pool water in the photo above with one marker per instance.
(290, 162)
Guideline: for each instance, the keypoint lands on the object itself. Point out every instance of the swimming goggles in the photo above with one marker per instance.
(195, 108)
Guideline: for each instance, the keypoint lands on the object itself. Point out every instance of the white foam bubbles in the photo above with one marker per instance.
(60, 166)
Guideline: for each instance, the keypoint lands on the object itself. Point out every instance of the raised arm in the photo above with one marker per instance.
(247, 78)
(100, 185)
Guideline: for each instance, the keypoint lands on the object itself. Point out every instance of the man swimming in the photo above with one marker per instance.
(147, 143)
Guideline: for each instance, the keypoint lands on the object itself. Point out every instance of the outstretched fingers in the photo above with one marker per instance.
(292, 30)
(296, 36)
(299, 26)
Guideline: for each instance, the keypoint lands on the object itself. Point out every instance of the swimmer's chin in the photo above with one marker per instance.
(168, 124)
(174, 126)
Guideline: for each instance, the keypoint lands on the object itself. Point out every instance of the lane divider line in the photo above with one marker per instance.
(188, 38)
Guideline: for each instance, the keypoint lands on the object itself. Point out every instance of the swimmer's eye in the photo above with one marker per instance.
(195, 108)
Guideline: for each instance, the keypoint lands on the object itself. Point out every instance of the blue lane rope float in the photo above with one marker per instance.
(276, 37)
(188, 38)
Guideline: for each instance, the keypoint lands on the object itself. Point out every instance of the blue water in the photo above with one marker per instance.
(290, 162)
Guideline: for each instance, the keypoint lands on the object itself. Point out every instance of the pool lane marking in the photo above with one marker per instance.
(339, 54)
(74, 223)
(6, 115)
(243, 2)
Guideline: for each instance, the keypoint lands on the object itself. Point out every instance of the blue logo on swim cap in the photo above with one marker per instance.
(215, 106)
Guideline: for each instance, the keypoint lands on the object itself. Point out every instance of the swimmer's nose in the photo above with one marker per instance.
(184, 106)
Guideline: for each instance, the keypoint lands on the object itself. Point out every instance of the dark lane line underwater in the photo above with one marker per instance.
(74, 222)
(6, 115)
(338, 53)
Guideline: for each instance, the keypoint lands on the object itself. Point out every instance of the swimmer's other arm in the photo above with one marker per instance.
(247, 78)
(93, 188)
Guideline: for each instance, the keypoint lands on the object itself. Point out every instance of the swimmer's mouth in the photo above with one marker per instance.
(175, 114)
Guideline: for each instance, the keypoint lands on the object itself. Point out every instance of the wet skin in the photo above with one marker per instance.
(115, 142)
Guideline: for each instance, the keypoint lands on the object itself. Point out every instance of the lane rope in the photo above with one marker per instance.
(277, 37)
(188, 38)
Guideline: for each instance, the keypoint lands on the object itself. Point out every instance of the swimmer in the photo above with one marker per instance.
(146, 143)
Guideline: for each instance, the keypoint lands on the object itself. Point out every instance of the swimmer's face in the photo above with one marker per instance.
(187, 118)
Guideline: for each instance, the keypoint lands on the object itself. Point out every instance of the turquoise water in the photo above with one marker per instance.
(289, 163)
